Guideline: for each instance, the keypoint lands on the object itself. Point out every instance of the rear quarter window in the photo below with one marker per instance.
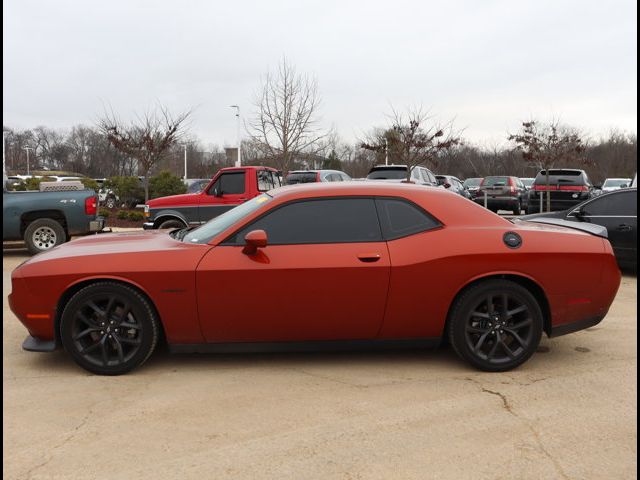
(400, 218)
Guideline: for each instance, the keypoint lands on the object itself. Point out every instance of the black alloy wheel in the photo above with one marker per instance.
(496, 325)
(109, 328)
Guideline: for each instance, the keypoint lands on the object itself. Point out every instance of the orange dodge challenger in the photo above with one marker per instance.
(344, 265)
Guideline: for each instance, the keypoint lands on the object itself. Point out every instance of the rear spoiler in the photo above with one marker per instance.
(597, 230)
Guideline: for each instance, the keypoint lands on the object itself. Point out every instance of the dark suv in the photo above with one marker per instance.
(567, 188)
(502, 193)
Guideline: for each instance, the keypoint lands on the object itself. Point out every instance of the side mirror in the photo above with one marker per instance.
(217, 192)
(254, 240)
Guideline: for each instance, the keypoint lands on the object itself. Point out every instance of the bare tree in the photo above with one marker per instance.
(285, 123)
(544, 145)
(148, 140)
(412, 140)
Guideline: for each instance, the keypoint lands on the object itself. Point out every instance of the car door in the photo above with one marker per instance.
(323, 275)
(617, 211)
(226, 192)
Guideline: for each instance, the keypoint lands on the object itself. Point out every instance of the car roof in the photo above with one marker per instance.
(370, 187)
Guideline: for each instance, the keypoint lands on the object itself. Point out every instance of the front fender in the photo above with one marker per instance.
(167, 214)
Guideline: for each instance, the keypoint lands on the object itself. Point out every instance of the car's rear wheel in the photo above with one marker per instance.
(517, 209)
(110, 203)
(109, 328)
(171, 224)
(43, 234)
(495, 325)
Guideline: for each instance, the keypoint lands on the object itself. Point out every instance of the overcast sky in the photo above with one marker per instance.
(489, 64)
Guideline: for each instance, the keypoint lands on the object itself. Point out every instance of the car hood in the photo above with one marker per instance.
(119, 244)
(174, 200)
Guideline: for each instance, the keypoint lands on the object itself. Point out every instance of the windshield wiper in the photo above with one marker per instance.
(180, 234)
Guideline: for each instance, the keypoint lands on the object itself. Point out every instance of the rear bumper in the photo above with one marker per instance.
(96, 225)
(575, 326)
(497, 202)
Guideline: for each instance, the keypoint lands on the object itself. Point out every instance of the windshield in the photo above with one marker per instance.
(472, 182)
(527, 181)
(571, 177)
(213, 227)
(495, 181)
(301, 177)
(616, 182)
(397, 173)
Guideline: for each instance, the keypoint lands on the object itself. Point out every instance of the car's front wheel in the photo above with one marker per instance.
(109, 328)
(495, 325)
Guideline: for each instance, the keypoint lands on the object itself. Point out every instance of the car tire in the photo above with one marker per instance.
(171, 224)
(110, 203)
(109, 328)
(43, 234)
(518, 209)
(490, 334)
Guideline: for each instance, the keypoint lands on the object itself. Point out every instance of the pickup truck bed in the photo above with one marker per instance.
(46, 219)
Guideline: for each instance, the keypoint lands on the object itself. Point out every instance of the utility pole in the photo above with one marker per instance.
(238, 141)
(27, 149)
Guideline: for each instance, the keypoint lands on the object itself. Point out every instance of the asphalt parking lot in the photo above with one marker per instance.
(570, 412)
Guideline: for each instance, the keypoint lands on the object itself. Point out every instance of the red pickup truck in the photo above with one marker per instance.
(228, 188)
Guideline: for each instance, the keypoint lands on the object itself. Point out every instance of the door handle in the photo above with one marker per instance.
(369, 257)
(624, 227)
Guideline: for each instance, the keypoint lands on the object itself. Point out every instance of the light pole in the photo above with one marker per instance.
(185, 162)
(238, 143)
(27, 149)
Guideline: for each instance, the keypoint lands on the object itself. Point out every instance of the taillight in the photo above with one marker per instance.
(91, 205)
(512, 189)
(574, 188)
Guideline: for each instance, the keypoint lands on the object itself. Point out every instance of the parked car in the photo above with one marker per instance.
(454, 184)
(493, 287)
(312, 176)
(227, 189)
(502, 193)
(527, 182)
(106, 196)
(196, 185)
(567, 187)
(47, 219)
(617, 212)
(611, 184)
(472, 185)
(398, 173)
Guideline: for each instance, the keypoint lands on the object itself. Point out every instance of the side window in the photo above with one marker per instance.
(400, 218)
(345, 177)
(415, 173)
(617, 204)
(265, 181)
(276, 179)
(432, 178)
(425, 177)
(343, 220)
(229, 183)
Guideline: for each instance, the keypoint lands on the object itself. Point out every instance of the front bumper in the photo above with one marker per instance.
(34, 344)
(147, 225)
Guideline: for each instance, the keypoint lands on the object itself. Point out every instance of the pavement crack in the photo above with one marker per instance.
(530, 426)
(326, 377)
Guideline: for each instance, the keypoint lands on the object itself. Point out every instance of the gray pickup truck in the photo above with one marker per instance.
(44, 219)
